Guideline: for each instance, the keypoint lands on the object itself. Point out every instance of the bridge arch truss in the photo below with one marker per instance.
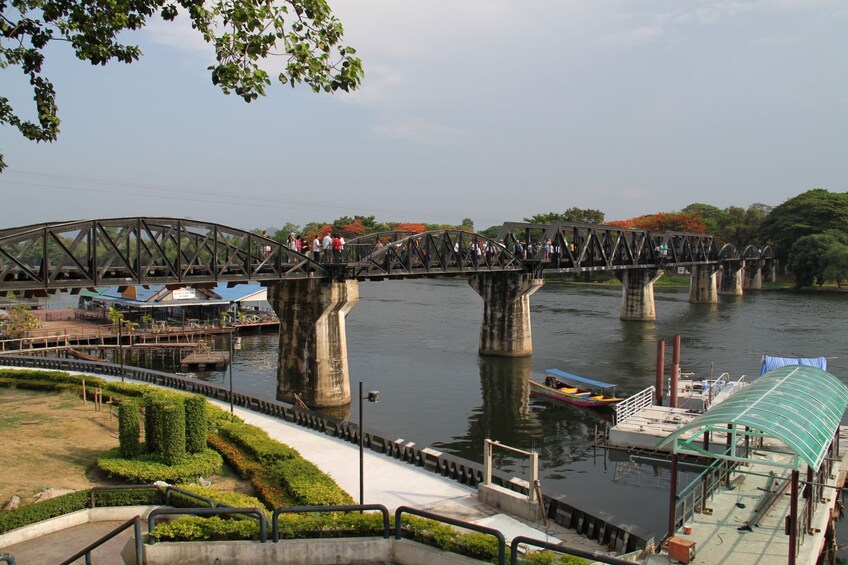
(141, 250)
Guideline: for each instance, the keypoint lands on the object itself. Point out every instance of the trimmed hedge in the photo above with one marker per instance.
(149, 468)
(39, 511)
(172, 422)
(195, 423)
(213, 528)
(129, 430)
(256, 442)
(306, 485)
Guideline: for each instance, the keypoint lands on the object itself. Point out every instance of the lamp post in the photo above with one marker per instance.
(233, 311)
(232, 331)
(373, 396)
(121, 347)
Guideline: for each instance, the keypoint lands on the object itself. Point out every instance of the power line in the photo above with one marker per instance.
(170, 192)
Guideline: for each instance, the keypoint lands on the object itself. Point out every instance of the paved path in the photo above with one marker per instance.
(58, 546)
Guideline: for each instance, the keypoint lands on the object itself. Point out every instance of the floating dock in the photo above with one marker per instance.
(205, 360)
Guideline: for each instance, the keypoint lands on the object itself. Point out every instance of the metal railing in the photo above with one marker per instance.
(559, 548)
(693, 498)
(628, 408)
(275, 517)
(135, 523)
(453, 522)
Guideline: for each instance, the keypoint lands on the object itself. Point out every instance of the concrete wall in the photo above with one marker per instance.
(302, 552)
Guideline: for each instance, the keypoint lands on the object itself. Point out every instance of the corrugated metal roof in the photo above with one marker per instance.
(239, 293)
(798, 405)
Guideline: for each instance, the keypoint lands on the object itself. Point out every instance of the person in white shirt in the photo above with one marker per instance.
(316, 249)
(327, 243)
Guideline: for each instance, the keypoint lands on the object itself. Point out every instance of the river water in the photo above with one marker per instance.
(416, 342)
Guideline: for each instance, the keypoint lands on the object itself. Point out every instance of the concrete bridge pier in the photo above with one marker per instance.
(506, 312)
(752, 275)
(702, 287)
(730, 279)
(637, 294)
(313, 347)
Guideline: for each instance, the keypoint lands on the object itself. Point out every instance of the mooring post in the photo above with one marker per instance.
(675, 371)
(660, 384)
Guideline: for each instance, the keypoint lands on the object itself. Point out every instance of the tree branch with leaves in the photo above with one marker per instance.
(244, 33)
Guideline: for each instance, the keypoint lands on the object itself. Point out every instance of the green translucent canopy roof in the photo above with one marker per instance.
(797, 405)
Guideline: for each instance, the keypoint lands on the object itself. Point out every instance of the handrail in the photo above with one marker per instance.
(258, 513)
(134, 522)
(453, 522)
(7, 558)
(631, 406)
(559, 548)
(275, 521)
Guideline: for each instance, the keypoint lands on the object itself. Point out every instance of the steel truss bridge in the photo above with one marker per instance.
(42, 258)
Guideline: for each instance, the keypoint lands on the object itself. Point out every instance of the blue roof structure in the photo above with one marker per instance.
(147, 296)
(575, 379)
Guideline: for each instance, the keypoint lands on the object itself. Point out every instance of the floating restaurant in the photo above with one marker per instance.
(769, 468)
(181, 305)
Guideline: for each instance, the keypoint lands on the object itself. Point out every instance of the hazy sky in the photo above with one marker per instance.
(488, 109)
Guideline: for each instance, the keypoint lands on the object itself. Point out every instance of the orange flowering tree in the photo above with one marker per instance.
(665, 221)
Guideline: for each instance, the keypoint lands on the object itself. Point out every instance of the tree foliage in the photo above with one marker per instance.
(808, 258)
(809, 213)
(243, 33)
(20, 321)
(665, 221)
(576, 215)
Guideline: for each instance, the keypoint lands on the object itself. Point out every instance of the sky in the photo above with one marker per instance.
(484, 109)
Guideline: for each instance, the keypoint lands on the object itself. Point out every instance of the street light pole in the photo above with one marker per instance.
(121, 347)
(231, 370)
(361, 453)
(373, 396)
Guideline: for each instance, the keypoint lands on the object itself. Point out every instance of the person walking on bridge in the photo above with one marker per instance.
(327, 243)
(316, 249)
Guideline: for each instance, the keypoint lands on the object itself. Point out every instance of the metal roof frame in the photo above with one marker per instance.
(798, 405)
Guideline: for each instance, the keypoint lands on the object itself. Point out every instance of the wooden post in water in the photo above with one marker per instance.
(660, 384)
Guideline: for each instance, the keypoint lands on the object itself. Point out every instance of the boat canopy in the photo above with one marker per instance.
(800, 406)
(574, 378)
(770, 362)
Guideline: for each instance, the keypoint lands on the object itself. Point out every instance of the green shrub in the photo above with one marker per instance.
(153, 432)
(195, 423)
(172, 420)
(243, 465)
(195, 528)
(39, 511)
(149, 468)
(256, 442)
(307, 485)
(129, 429)
(223, 497)
(128, 497)
(39, 386)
